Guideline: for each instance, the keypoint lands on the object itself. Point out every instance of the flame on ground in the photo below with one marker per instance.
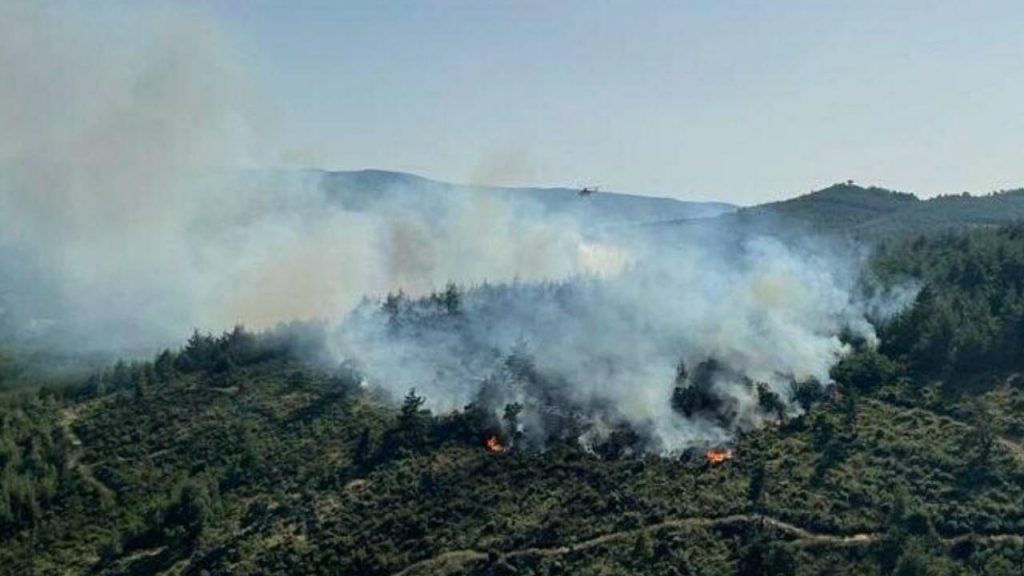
(494, 445)
(718, 456)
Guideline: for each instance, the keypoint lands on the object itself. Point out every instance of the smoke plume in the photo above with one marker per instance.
(126, 221)
(715, 314)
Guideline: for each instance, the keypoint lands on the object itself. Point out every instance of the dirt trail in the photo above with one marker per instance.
(437, 564)
(68, 417)
(454, 560)
(458, 558)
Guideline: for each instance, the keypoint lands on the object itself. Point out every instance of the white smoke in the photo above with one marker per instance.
(105, 121)
(124, 224)
(767, 312)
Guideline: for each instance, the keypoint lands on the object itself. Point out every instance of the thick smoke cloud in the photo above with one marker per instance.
(126, 222)
(607, 349)
(105, 121)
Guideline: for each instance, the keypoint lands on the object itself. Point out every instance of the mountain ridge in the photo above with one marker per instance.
(364, 189)
(844, 208)
(867, 213)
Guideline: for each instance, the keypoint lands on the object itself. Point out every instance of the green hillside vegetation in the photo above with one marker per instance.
(237, 454)
(968, 318)
(866, 214)
(838, 207)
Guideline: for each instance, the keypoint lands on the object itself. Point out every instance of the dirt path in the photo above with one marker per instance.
(441, 563)
(68, 417)
(455, 560)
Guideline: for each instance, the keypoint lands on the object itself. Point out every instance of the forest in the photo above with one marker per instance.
(245, 453)
(511, 289)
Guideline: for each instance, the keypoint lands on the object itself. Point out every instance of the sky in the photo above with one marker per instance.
(734, 101)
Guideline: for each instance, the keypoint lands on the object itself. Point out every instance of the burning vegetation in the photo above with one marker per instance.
(494, 445)
(718, 456)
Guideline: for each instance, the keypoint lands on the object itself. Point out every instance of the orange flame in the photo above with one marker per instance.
(718, 456)
(494, 445)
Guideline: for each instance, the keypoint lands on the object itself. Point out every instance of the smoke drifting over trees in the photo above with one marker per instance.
(729, 323)
(124, 224)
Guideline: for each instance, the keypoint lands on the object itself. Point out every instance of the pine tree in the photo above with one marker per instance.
(412, 422)
(362, 454)
(451, 300)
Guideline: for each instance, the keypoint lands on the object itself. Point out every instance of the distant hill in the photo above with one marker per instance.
(947, 212)
(366, 189)
(864, 213)
(838, 207)
(844, 209)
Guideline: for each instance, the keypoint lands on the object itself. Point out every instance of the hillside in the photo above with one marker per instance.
(836, 208)
(371, 189)
(947, 213)
(274, 468)
(376, 288)
(844, 208)
(241, 454)
(867, 214)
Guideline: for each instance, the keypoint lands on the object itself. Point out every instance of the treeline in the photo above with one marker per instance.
(440, 309)
(214, 454)
(35, 445)
(968, 317)
(215, 357)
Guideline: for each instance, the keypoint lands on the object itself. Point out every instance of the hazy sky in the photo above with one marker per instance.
(737, 101)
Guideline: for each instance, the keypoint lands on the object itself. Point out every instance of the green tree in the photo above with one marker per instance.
(643, 548)
(865, 371)
(163, 366)
(770, 402)
(194, 508)
(980, 442)
(913, 561)
(362, 454)
(806, 393)
(413, 422)
(756, 486)
(510, 419)
(451, 300)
